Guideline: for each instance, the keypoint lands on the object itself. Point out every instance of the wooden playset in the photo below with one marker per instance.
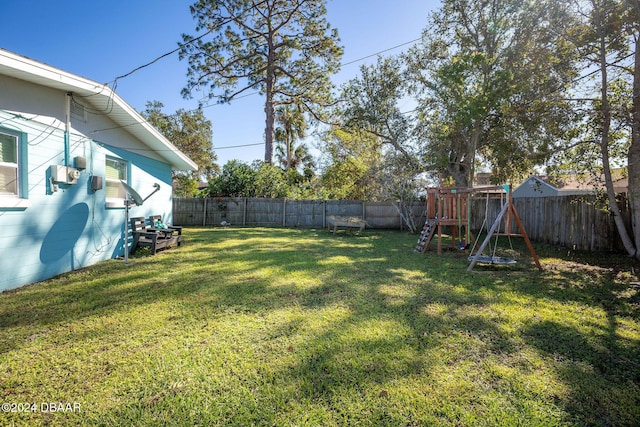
(446, 207)
(451, 206)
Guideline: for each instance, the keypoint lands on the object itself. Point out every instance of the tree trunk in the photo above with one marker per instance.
(459, 172)
(269, 122)
(461, 168)
(604, 149)
(269, 108)
(634, 151)
(471, 155)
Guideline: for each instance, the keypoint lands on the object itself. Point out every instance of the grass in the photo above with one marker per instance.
(300, 327)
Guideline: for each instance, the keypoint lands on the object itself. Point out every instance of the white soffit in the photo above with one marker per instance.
(101, 97)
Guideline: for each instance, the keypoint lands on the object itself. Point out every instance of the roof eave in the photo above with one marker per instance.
(23, 68)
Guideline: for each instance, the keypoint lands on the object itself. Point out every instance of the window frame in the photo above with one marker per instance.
(19, 199)
(116, 202)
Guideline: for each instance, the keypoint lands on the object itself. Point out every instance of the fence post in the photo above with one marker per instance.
(204, 216)
(324, 213)
(284, 212)
(244, 212)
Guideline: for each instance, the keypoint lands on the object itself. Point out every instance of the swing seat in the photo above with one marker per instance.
(462, 246)
(485, 259)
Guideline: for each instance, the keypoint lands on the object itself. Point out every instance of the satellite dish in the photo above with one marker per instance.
(138, 200)
(133, 193)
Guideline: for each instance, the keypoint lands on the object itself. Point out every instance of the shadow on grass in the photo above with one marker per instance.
(404, 318)
(598, 361)
(215, 268)
(603, 372)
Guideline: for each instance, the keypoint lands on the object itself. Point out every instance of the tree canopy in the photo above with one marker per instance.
(490, 77)
(191, 133)
(370, 104)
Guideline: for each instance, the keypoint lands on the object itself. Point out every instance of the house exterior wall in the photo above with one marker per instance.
(533, 187)
(52, 232)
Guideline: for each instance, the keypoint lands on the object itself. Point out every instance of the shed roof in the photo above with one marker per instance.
(101, 97)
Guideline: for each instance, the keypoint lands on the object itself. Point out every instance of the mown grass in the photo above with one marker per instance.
(300, 327)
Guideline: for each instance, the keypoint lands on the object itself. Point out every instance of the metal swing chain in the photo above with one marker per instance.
(495, 245)
(484, 222)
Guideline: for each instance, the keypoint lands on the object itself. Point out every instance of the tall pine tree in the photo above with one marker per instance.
(284, 49)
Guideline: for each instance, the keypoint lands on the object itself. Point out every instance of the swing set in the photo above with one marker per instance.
(452, 207)
(507, 214)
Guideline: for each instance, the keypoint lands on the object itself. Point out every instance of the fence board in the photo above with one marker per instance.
(571, 221)
(305, 213)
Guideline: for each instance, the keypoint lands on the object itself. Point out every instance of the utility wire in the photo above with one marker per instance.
(114, 81)
(164, 55)
(213, 148)
(341, 65)
(382, 51)
(237, 146)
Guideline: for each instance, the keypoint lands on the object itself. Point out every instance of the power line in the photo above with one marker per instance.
(177, 150)
(341, 65)
(234, 99)
(382, 51)
(164, 55)
(114, 81)
(237, 146)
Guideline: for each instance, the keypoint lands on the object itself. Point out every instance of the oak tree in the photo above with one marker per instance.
(490, 76)
(191, 133)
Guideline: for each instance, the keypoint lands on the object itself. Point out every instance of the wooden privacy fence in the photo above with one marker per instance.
(575, 222)
(285, 212)
(570, 221)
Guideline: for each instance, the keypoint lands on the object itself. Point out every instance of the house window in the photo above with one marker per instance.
(9, 165)
(115, 170)
(14, 175)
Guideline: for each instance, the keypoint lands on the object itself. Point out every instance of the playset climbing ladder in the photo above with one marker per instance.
(426, 235)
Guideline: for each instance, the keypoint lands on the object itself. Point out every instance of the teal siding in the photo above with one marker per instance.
(70, 228)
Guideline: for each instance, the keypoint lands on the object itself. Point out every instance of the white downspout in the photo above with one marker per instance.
(67, 129)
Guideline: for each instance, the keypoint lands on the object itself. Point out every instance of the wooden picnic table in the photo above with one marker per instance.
(345, 221)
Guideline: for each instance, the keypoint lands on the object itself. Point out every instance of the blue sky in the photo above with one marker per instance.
(103, 40)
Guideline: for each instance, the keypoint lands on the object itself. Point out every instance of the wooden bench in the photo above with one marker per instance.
(152, 237)
(172, 231)
(345, 221)
(176, 230)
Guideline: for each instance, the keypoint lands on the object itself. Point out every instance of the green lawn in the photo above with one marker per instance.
(299, 327)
